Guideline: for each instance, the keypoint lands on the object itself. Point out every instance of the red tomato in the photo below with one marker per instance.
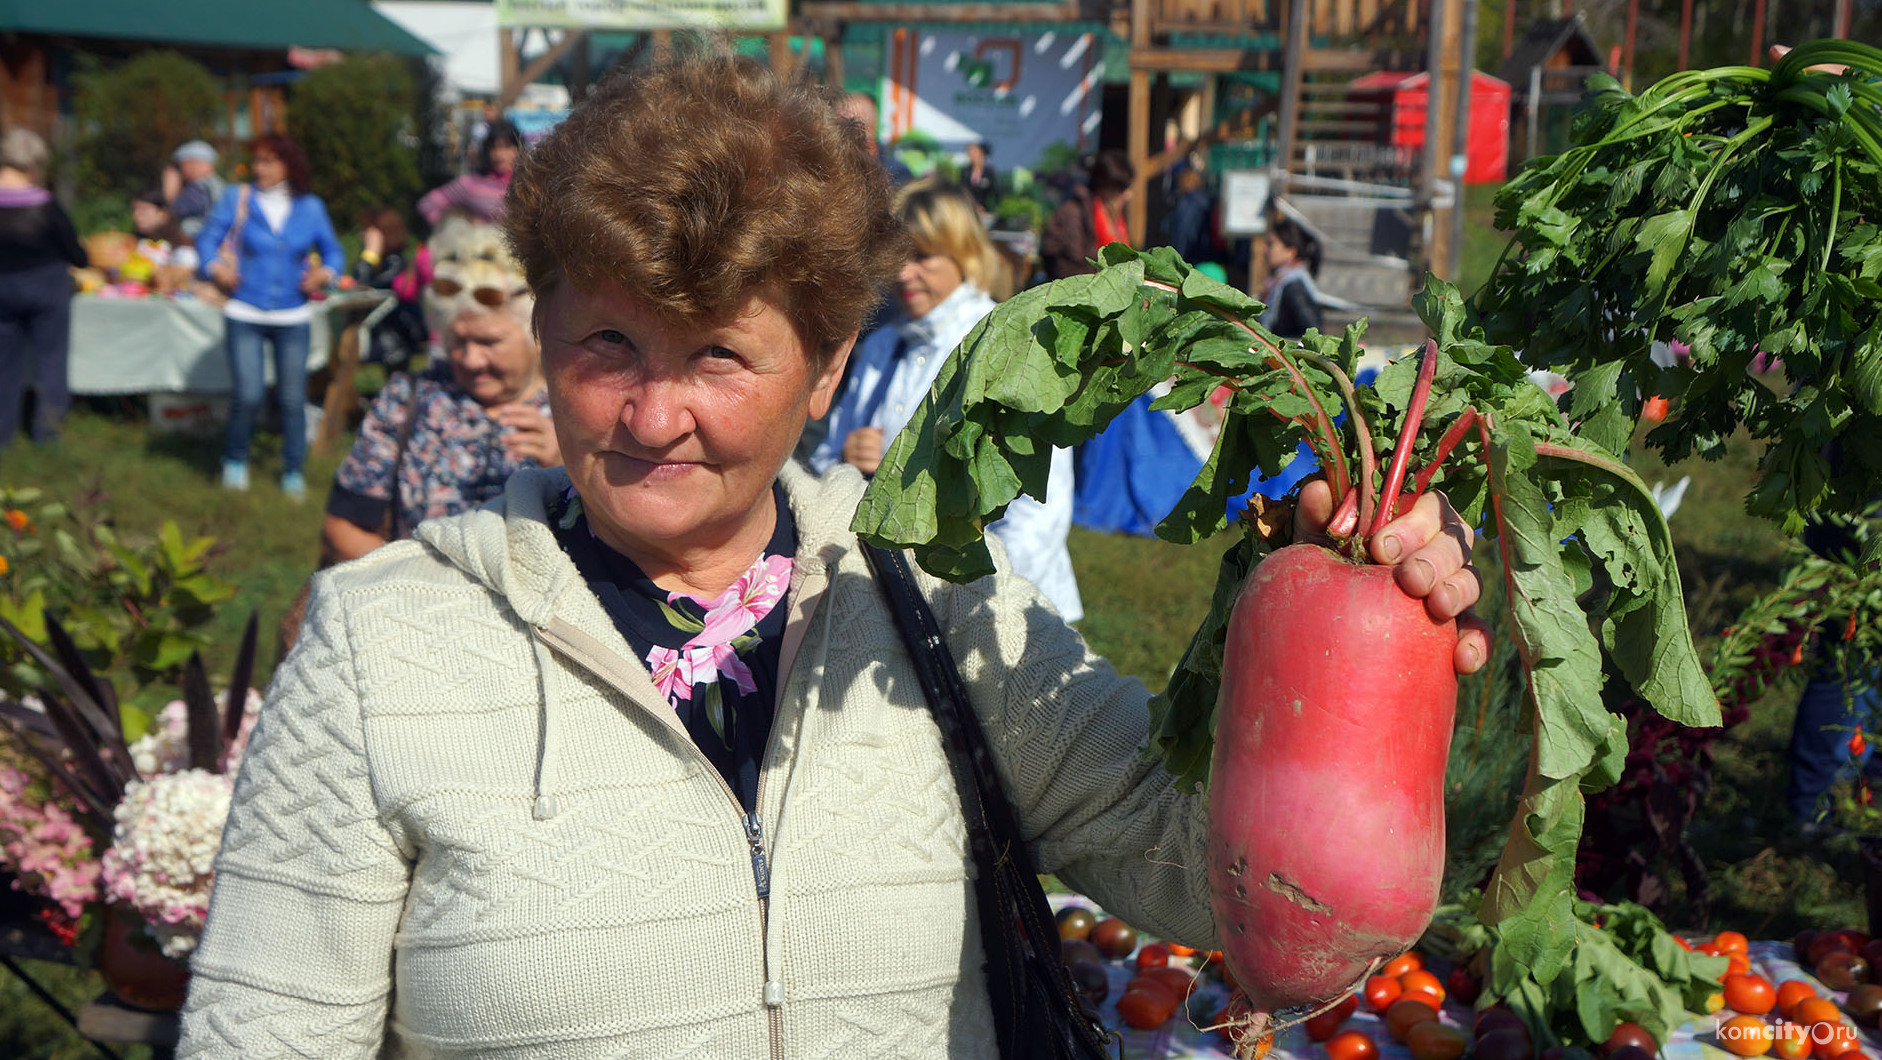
(1146, 1006)
(1155, 955)
(1422, 982)
(1837, 1040)
(1751, 994)
(1176, 980)
(1732, 942)
(1399, 965)
(1381, 992)
(1462, 985)
(1352, 1045)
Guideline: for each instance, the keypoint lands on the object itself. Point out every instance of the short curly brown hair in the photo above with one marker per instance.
(696, 182)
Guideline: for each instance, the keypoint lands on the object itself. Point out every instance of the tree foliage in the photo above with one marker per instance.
(355, 120)
(132, 115)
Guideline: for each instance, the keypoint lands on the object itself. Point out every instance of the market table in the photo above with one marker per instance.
(1182, 1038)
(146, 345)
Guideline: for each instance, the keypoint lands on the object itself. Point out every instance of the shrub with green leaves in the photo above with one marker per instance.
(133, 115)
(1734, 210)
(137, 606)
(355, 119)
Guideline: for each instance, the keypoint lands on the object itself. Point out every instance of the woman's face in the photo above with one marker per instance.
(1279, 253)
(492, 356)
(673, 434)
(268, 168)
(502, 156)
(927, 280)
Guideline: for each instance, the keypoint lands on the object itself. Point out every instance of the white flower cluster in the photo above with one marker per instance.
(165, 748)
(163, 852)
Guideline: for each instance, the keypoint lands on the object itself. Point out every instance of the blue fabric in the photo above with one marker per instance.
(1133, 474)
(271, 262)
(1130, 476)
(249, 389)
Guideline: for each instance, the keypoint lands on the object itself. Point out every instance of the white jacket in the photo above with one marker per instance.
(883, 392)
(469, 826)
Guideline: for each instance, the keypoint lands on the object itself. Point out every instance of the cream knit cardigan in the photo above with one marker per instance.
(468, 825)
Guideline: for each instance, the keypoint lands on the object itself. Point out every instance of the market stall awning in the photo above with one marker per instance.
(348, 25)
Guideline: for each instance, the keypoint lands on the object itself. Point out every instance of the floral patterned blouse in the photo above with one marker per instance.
(454, 460)
(715, 660)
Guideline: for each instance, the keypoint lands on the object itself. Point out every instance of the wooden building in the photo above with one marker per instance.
(252, 47)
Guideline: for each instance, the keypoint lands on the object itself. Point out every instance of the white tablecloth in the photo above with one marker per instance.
(143, 345)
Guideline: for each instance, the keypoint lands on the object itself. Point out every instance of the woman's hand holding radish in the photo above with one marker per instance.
(1429, 551)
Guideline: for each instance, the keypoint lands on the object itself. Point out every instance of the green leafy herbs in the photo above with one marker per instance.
(1623, 967)
(1591, 578)
(1734, 211)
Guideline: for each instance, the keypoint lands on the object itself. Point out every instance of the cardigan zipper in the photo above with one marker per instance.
(599, 662)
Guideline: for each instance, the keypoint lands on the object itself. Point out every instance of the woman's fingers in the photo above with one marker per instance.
(1473, 644)
(1313, 509)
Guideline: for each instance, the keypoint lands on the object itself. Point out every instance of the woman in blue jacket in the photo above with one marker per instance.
(257, 245)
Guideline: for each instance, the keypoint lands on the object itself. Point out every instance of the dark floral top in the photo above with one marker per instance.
(454, 460)
(715, 660)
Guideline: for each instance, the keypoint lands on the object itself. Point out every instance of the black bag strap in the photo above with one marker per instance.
(1016, 924)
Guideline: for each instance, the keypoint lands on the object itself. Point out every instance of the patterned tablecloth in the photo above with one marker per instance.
(1183, 1039)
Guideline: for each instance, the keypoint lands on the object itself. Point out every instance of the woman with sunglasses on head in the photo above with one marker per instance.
(445, 441)
(259, 245)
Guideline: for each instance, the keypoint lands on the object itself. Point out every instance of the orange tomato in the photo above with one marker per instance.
(1405, 1013)
(1750, 994)
(1431, 1040)
(1790, 993)
(1177, 949)
(1790, 1041)
(1399, 965)
(1352, 1045)
(1381, 992)
(1815, 1010)
(1146, 1006)
(1732, 942)
(1423, 982)
(1737, 964)
(1745, 1036)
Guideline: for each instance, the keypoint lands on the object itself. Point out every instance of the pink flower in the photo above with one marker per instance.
(672, 673)
(745, 602)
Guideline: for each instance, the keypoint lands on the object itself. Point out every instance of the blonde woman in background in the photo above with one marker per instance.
(944, 290)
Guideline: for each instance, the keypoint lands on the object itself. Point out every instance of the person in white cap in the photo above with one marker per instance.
(191, 185)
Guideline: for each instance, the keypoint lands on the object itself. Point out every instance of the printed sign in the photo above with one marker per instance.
(1022, 93)
(755, 15)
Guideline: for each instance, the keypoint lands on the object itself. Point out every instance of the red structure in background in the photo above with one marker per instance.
(1401, 98)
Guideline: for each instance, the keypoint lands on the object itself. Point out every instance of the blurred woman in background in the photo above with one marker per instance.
(479, 194)
(944, 292)
(37, 243)
(270, 245)
(1090, 217)
(1293, 262)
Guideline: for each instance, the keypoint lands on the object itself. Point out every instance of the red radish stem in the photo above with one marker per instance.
(1368, 463)
(1408, 434)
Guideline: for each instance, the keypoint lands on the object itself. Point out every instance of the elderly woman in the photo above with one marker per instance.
(446, 441)
(943, 289)
(632, 762)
